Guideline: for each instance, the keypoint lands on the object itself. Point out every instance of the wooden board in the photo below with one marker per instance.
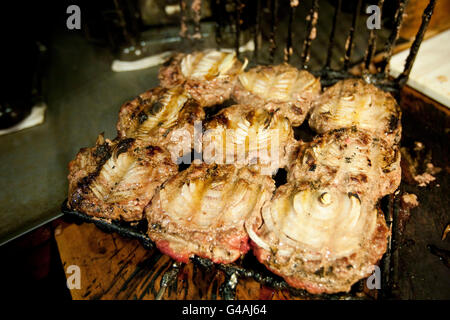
(431, 71)
(113, 267)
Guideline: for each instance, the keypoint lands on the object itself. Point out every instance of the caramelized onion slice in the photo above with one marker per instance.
(281, 83)
(325, 221)
(209, 64)
(221, 199)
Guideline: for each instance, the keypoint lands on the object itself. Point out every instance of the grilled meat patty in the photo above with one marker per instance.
(208, 76)
(349, 158)
(353, 102)
(318, 238)
(163, 117)
(201, 211)
(245, 135)
(321, 231)
(116, 179)
(281, 87)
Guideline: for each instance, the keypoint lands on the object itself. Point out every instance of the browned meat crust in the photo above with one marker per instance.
(201, 211)
(325, 275)
(353, 102)
(116, 179)
(281, 87)
(248, 136)
(320, 231)
(351, 159)
(160, 116)
(170, 74)
(210, 81)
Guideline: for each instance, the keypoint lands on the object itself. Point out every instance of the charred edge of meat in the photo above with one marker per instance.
(222, 120)
(123, 146)
(142, 117)
(172, 59)
(102, 152)
(140, 100)
(350, 194)
(393, 123)
(156, 108)
(152, 150)
(123, 228)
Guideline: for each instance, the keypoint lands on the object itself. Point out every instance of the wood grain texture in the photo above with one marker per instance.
(113, 267)
(413, 18)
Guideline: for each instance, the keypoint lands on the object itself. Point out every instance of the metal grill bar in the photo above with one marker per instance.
(332, 34)
(389, 46)
(371, 47)
(257, 29)
(183, 19)
(238, 9)
(273, 28)
(196, 7)
(351, 35)
(289, 50)
(426, 17)
(310, 33)
(219, 7)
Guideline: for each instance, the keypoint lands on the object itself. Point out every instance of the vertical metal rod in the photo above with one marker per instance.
(257, 29)
(123, 24)
(310, 32)
(237, 9)
(351, 35)
(196, 7)
(426, 17)
(218, 14)
(273, 29)
(371, 47)
(289, 50)
(332, 34)
(168, 278)
(389, 46)
(183, 19)
(387, 265)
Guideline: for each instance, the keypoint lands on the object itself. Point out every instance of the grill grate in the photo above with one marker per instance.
(261, 18)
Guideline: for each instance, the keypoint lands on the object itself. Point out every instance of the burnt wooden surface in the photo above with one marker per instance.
(113, 267)
(419, 273)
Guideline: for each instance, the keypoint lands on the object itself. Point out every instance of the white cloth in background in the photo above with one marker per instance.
(157, 59)
(36, 117)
